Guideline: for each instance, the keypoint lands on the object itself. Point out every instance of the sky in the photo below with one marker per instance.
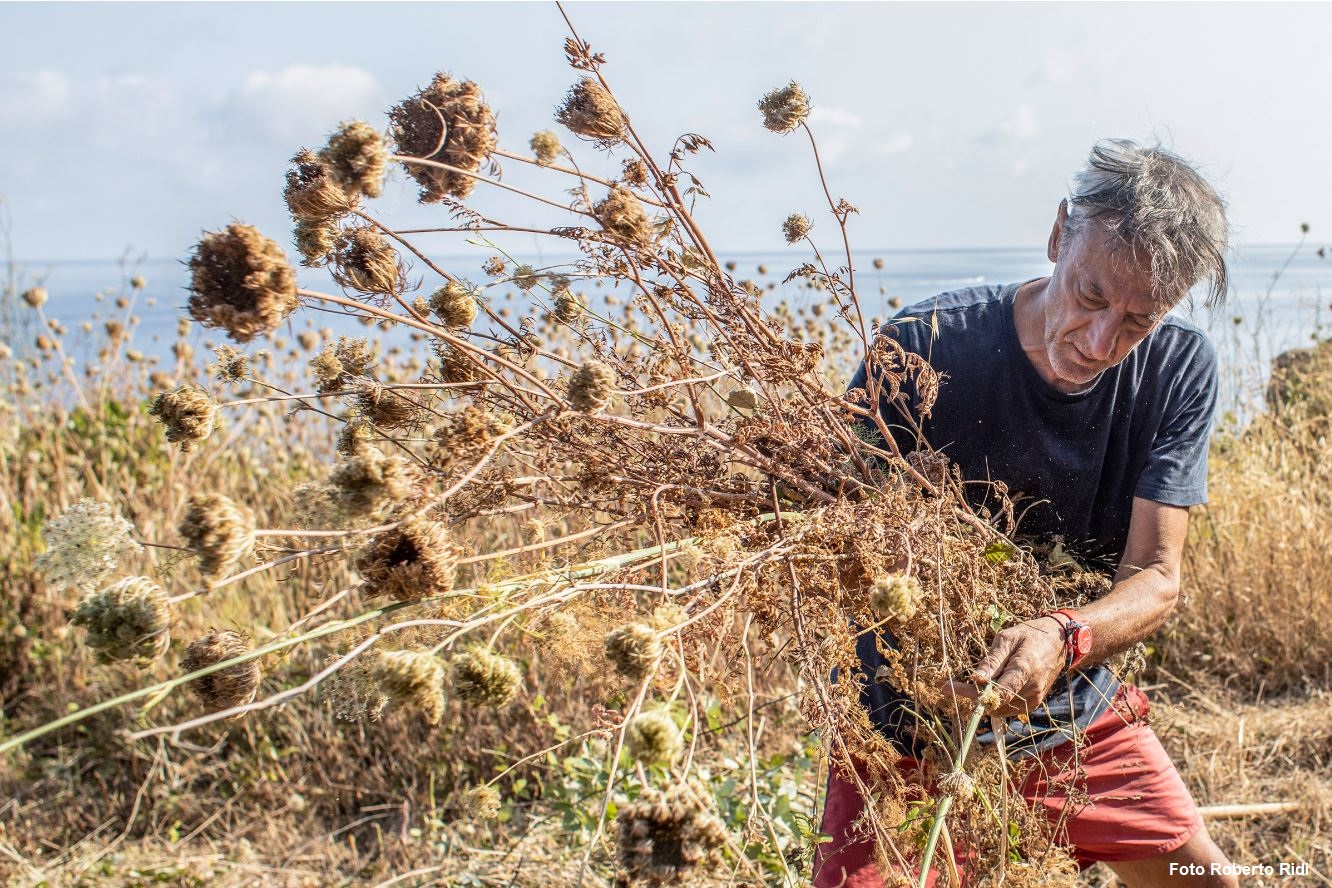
(137, 126)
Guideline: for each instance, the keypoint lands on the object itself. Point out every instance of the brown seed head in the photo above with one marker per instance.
(567, 308)
(241, 283)
(895, 596)
(189, 414)
(525, 277)
(546, 147)
(635, 173)
(481, 802)
(35, 297)
(129, 620)
(413, 560)
(339, 363)
(633, 649)
(364, 261)
(785, 109)
(313, 193)
(231, 365)
(495, 266)
(356, 157)
(218, 530)
(958, 784)
(235, 685)
(454, 304)
(447, 122)
(591, 112)
(623, 217)
(591, 387)
(411, 678)
(796, 227)
(315, 241)
(368, 480)
(485, 678)
(666, 835)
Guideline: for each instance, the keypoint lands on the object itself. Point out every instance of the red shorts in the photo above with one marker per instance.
(1139, 808)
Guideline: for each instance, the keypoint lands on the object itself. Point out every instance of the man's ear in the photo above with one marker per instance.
(1057, 233)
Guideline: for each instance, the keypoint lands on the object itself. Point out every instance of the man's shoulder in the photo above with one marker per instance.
(1179, 340)
(961, 301)
(977, 312)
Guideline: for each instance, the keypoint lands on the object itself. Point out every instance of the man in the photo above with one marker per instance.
(1094, 408)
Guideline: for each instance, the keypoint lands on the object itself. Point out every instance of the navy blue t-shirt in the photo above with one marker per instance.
(1072, 462)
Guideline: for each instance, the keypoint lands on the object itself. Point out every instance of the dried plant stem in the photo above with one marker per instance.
(609, 183)
(434, 164)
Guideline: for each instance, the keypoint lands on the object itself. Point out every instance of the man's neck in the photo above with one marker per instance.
(1029, 319)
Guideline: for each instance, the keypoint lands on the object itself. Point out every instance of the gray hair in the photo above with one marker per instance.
(1155, 202)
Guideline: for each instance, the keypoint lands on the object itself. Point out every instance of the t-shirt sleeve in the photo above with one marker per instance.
(1176, 469)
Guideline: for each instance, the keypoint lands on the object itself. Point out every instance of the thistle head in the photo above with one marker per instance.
(591, 387)
(412, 560)
(189, 414)
(485, 678)
(785, 108)
(796, 227)
(590, 111)
(128, 620)
(356, 157)
(622, 216)
(225, 688)
(447, 122)
(363, 260)
(633, 649)
(218, 530)
(313, 192)
(413, 679)
(454, 304)
(241, 282)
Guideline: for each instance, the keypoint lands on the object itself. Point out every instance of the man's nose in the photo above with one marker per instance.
(1101, 337)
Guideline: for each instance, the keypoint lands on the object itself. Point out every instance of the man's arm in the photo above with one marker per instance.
(1026, 659)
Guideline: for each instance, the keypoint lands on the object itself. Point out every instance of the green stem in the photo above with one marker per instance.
(946, 801)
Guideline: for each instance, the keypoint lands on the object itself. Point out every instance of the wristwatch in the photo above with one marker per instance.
(1077, 638)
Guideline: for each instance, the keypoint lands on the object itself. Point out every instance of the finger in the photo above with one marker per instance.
(961, 690)
(993, 661)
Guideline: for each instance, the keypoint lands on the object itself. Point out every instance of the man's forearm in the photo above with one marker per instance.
(1137, 604)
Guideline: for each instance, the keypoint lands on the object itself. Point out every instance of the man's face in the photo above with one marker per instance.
(1099, 305)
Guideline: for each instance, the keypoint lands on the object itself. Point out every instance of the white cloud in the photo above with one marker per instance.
(301, 102)
(899, 144)
(835, 117)
(28, 98)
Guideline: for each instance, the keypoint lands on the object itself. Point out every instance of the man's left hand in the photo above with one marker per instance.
(1024, 662)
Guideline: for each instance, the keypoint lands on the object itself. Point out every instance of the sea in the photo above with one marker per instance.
(1281, 296)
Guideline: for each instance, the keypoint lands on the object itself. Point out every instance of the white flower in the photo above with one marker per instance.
(84, 544)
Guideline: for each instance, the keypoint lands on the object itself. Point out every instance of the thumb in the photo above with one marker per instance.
(992, 663)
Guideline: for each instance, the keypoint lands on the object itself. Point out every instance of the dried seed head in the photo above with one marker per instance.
(363, 260)
(35, 297)
(385, 407)
(654, 737)
(468, 431)
(456, 366)
(878, 264)
(313, 193)
(138, 282)
(633, 649)
(485, 678)
(546, 147)
(411, 678)
(308, 339)
(413, 560)
(356, 157)
(84, 544)
(129, 620)
(591, 112)
(449, 123)
(231, 365)
(370, 481)
(241, 282)
(635, 173)
(796, 227)
(341, 362)
(591, 387)
(958, 784)
(315, 241)
(990, 699)
(784, 109)
(623, 217)
(188, 413)
(481, 802)
(664, 836)
(454, 304)
(495, 266)
(525, 277)
(567, 307)
(235, 685)
(218, 530)
(895, 596)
